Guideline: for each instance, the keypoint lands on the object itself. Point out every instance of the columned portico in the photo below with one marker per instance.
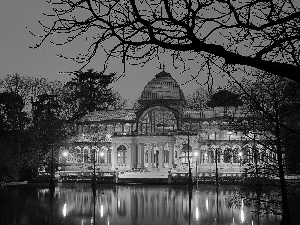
(160, 152)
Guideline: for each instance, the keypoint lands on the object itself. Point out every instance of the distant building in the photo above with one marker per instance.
(161, 135)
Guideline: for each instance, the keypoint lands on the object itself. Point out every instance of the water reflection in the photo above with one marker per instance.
(78, 204)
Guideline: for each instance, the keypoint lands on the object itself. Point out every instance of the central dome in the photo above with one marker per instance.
(162, 87)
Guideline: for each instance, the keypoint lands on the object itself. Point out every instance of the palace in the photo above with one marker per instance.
(161, 135)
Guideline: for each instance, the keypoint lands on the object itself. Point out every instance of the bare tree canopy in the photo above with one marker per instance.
(263, 34)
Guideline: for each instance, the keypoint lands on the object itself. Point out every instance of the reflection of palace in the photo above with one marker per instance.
(160, 135)
(151, 205)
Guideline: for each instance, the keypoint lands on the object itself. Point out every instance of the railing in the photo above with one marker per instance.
(135, 133)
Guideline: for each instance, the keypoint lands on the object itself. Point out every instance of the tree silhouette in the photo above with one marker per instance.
(89, 91)
(224, 98)
(263, 34)
(271, 106)
(12, 124)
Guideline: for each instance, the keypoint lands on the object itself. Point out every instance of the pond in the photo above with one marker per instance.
(77, 204)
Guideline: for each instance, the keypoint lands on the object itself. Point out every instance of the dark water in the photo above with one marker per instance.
(135, 204)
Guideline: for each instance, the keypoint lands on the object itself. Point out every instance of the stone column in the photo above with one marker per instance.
(142, 155)
(178, 156)
(161, 156)
(153, 155)
(133, 156)
(138, 152)
(82, 155)
(128, 158)
(113, 157)
(149, 156)
(171, 155)
(105, 157)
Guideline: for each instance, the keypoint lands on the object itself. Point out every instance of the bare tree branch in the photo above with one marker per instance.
(263, 34)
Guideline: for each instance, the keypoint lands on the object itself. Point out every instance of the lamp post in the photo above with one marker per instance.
(190, 182)
(101, 157)
(94, 169)
(51, 185)
(217, 173)
(65, 155)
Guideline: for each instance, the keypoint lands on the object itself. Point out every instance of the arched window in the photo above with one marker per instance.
(121, 153)
(157, 120)
(227, 155)
(237, 155)
(103, 154)
(79, 154)
(86, 154)
(205, 125)
(214, 125)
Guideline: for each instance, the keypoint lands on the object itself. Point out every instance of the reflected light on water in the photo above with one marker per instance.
(242, 212)
(134, 204)
(197, 213)
(65, 210)
(242, 216)
(101, 210)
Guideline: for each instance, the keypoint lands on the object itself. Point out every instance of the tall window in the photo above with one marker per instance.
(79, 154)
(227, 155)
(109, 155)
(86, 154)
(157, 120)
(121, 154)
(235, 155)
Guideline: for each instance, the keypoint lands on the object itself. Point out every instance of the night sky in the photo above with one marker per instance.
(18, 17)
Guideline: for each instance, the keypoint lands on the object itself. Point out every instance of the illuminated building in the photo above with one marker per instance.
(158, 136)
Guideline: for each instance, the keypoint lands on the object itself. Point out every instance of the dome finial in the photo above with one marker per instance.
(163, 66)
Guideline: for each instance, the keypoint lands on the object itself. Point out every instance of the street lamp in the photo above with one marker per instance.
(196, 155)
(94, 172)
(63, 161)
(65, 154)
(101, 154)
(216, 160)
(101, 157)
(240, 156)
(51, 185)
(190, 182)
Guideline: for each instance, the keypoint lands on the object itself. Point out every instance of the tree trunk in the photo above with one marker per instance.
(286, 216)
